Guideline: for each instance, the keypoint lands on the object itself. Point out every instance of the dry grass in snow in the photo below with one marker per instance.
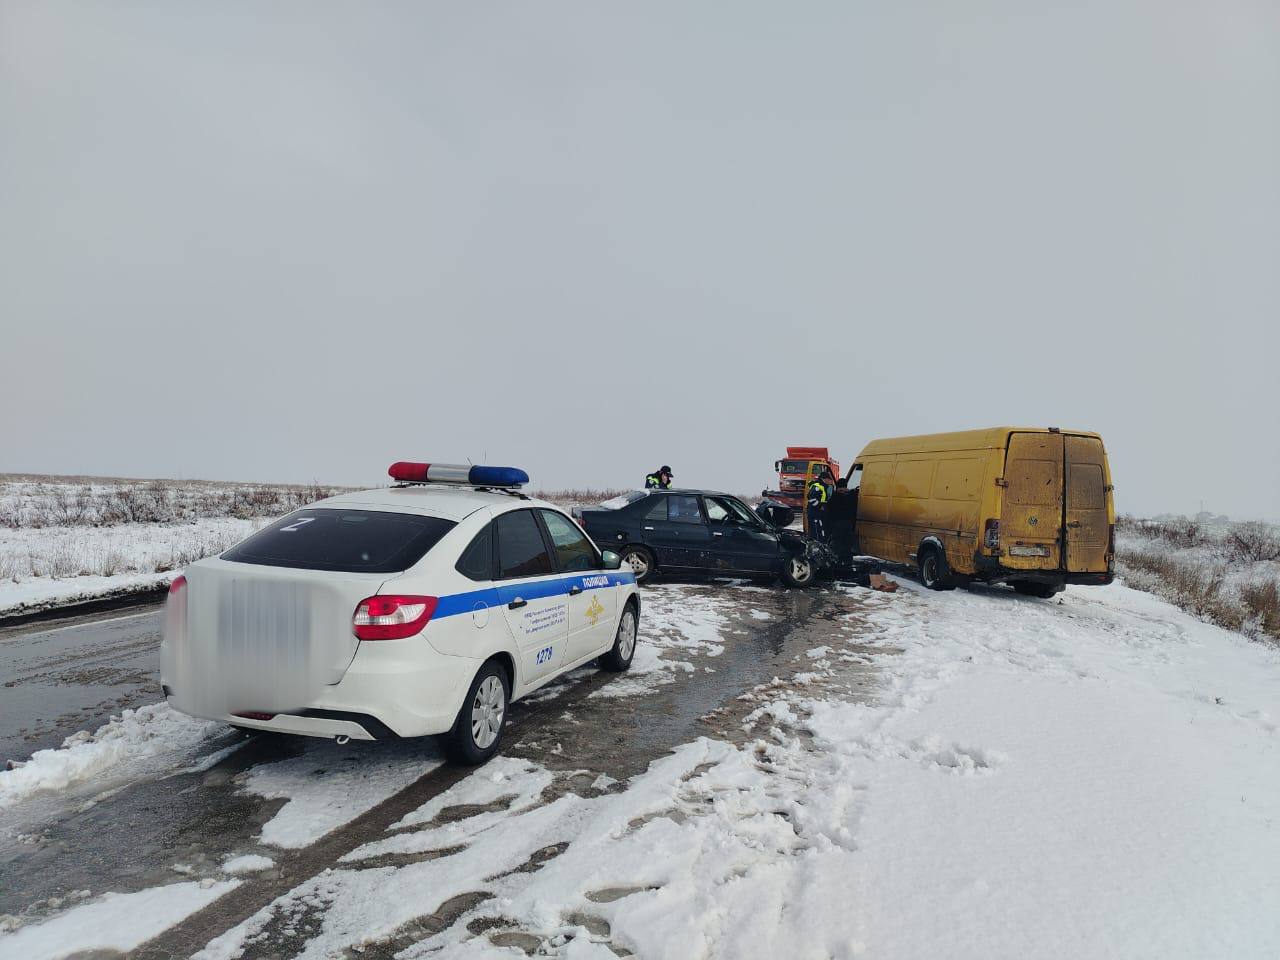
(1228, 576)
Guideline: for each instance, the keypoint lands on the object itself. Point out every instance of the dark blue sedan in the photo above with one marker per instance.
(700, 532)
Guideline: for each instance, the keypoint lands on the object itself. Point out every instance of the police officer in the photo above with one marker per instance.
(660, 479)
(816, 496)
(840, 519)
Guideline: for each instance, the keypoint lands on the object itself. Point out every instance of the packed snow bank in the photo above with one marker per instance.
(330, 785)
(1095, 777)
(118, 751)
(114, 922)
(247, 863)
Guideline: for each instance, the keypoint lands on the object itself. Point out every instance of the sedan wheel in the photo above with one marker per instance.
(640, 561)
(798, 572)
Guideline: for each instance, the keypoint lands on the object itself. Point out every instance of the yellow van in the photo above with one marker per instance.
(1024, 505)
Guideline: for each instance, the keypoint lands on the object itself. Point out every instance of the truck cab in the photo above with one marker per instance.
(800, 463)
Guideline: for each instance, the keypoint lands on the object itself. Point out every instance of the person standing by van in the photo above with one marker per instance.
(840, 520)
(816, 497)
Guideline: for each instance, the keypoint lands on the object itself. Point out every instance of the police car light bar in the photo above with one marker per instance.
(460, 473)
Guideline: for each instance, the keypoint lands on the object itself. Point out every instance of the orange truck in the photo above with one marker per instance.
(799, 463)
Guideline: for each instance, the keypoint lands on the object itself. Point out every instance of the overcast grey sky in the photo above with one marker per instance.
(286, 241)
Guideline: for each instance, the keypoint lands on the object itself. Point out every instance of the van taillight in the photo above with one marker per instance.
(392, 617)
(1111, 540)
(991, 535)
(178, 584)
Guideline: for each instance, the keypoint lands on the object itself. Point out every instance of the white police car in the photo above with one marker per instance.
(423, 608)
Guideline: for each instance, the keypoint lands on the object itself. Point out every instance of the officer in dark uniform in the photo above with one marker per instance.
(841, 518)
(816, 496)
(660, 479)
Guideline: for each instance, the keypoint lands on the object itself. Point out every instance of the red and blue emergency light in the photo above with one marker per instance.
(460, 473)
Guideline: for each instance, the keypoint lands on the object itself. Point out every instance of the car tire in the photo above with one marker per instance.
(474, 739)
(619, 656)
(641, 562)
(798, 572)
(1033, 588)
(935, 574)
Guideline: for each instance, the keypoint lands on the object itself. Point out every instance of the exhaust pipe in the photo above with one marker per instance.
(342, 739)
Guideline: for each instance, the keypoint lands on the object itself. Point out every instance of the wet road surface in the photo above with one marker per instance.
(136, 837)
(57, 680)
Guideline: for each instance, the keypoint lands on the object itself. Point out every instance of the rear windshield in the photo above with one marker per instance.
(617, 503)
(350, 541)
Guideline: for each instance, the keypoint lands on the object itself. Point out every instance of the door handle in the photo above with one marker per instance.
(716, 533)
(648, 528)
(1073, 524)
(574, 591)
(517, 603)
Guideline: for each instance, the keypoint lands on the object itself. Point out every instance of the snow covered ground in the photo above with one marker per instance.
(1097, 776)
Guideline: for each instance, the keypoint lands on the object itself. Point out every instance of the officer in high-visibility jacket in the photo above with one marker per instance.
(660, 479)
(816, 496)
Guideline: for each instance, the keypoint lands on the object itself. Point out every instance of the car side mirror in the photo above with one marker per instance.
(610, 560)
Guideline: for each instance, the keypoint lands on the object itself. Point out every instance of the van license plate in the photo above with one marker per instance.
(1040, 551)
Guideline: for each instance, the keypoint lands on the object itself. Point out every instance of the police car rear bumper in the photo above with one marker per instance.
(393, 688)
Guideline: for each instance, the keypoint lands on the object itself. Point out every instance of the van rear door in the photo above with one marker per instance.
(1031, 521)
(1086, 507)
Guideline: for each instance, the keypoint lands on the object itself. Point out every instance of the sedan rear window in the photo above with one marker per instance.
(348, 541)
(617, 503)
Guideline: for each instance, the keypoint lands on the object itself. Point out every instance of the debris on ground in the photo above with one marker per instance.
(879, 581)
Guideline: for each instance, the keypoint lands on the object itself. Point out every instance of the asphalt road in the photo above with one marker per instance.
(75, 676)
(56, 680)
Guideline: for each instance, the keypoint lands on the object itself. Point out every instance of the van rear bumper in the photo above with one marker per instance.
(993, 571)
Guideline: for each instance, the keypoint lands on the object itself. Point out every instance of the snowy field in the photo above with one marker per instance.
(1225, 573)
(1093, 776)
(68, 539)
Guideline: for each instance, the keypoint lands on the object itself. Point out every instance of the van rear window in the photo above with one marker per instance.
(348, 541)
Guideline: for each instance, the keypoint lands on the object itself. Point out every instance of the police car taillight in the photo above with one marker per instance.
(474, 475)
(175, 613)
(392, 617)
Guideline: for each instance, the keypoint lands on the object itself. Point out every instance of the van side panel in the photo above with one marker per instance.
(906, 496)
(955, 506)
(874, 532)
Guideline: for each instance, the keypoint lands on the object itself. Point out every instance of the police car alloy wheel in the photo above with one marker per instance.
(477, 733)
(488, 709)
(624, 644)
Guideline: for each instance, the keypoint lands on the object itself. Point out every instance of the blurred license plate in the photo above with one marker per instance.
(1040, 551)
